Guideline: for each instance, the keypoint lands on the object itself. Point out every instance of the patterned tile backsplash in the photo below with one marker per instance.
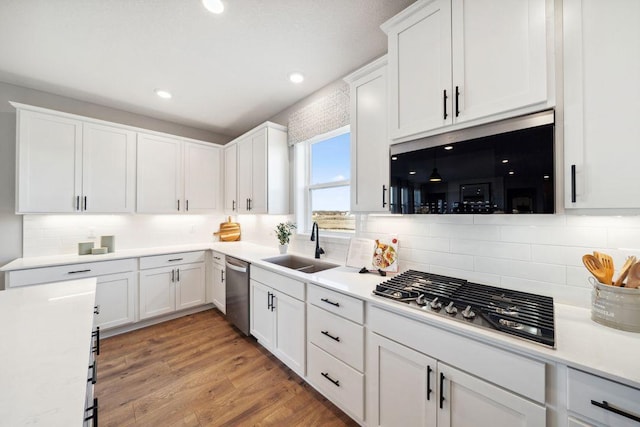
(539, 254)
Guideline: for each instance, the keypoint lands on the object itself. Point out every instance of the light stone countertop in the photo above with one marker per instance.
(45, 342)
(580, 342)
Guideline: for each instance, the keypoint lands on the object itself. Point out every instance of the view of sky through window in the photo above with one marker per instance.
(331, 162)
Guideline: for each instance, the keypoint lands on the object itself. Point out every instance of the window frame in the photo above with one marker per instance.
(304, 188)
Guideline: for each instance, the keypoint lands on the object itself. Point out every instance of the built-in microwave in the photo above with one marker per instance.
(501, 167)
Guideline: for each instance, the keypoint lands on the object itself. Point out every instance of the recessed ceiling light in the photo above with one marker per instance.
(546, 177)
(163, 94)
(505, 160)
(394, 157)
(296, 77)
(213, 6)
(448, 147)
(511, 172)
(412, 172)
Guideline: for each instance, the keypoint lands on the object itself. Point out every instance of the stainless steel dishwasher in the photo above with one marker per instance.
(237, 300)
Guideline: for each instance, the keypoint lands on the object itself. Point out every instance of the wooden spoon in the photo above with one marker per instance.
(607, 263)
(625, 270)
(633, 278)
(595, 267)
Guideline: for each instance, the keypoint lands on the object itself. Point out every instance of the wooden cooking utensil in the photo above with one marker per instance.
(607, 263)
(229, 231)
(625, 270)
(633, 278)
(595, 267)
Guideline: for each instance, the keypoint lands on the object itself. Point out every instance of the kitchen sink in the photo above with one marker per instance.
(302, 264)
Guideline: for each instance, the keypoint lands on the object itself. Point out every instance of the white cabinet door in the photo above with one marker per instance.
(574, 422)
(219, 293)
(469, 401)
(190, 285)
(159, 174)
(116, 300)
(420, 70)
(157, 292)
(289, 339)
(201, 178)
(601, 108)
(262, 323)
(402, 388)
(108, 169)
(499, 56)
(49, 163)
(259, 178)
(369, 141)
(231, 178)
(245, 174)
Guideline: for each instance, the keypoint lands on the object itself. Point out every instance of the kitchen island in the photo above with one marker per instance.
(45, 344)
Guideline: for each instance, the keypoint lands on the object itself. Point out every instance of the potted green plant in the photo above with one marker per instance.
(283, 233)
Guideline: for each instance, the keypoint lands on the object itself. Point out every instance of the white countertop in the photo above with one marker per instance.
(580, 342)
(45, 341)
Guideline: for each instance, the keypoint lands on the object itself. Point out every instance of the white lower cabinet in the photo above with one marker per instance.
(278, 317)
(335, 345)
(179, 285)
(116, 300)
(217, 282)
(419, 385)
(595, 401)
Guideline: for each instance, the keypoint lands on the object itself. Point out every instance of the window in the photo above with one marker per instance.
(324, 168)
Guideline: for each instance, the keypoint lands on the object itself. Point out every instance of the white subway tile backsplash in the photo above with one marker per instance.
(533, 253)
(494, 249)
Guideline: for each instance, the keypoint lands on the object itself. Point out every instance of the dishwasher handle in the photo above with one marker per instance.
(235, 267)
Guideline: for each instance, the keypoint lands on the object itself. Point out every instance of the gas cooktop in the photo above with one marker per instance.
(521, 314)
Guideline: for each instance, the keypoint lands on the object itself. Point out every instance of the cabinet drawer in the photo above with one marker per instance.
(583, 388)
(335, 302)
(171, 259)
(218, 258)
(287, 285)
(69, 272)
(337, 336)
(342, 384)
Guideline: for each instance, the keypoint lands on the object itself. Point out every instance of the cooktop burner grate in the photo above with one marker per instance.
(522, 314)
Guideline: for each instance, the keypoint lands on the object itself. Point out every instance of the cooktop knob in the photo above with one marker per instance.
(467, 313)
(435, 304)
(451, 309)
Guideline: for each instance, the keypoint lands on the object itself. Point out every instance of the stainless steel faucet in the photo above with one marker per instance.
(315, 236)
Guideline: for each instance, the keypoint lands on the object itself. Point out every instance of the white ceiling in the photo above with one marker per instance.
(227, 72)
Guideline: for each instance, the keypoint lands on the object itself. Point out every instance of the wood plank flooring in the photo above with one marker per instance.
(199, 371)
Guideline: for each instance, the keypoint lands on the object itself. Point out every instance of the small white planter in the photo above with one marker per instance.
(283, 248)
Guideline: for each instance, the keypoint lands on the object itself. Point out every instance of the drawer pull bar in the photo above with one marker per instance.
(429, 370)
(330, 336)
(94, 372)
(175, 259)
(96, 335)
(337, 304)
(605, 405)
(79, 271)
(335, 382)
(94, 414)
(441, 389)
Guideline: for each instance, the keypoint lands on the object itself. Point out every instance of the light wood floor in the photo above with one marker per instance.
(198, 371)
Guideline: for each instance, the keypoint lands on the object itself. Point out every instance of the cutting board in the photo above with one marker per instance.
(229, 231)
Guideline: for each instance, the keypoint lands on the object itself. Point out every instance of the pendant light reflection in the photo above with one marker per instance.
(435, 176)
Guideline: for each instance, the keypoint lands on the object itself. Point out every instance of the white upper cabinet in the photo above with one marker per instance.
(67, 165)
(454, 61)
(159, 174)
(108, 169)
(601, 107)
(176, 176)
(262, 171)
(231, 178)
(369, 138)
(201, 177)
